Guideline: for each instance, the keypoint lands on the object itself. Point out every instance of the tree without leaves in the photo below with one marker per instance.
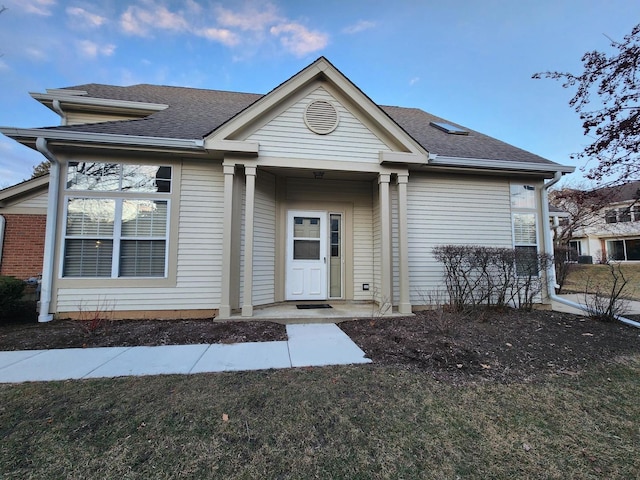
(612, 83)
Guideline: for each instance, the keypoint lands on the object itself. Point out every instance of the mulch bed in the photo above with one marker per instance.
(502, 346)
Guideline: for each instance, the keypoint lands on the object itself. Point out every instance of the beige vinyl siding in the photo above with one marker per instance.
(358, 195)
(78, 118)
(376, 285)
(395, 252)
(444, 210)
(287, 135)
(264, 243)
(199, 255)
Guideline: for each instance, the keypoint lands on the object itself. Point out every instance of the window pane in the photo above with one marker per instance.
(526, 261)
(633, 249)
(625, 215)
(146, 178)
(87, 258)
(615, 249)
(610, 216)
(523, 196)
(104, 177)
(144, 218)
(524, 228)
(142, 258)
(90, 217)
(304, 227)
(306, 250)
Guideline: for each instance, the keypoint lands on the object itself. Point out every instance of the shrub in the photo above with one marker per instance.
(11, 290)
(487, 276)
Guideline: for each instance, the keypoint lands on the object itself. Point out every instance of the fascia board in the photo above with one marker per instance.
(102, 138)
(101, 103)
(404, 157)
(482, 163)
(232, 146)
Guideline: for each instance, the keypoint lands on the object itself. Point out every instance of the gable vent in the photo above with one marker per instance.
(321, 117)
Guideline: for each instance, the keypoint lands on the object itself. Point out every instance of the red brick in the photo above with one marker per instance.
(23, 247)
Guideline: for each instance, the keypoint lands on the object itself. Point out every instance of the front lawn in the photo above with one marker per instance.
(588, 278)
(337, 422)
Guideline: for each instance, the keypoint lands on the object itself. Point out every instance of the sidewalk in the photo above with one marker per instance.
(308, 345)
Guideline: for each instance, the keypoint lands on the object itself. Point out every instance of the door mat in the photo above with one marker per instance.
(307, 306)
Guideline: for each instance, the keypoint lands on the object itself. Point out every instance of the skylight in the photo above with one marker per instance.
(448, 128)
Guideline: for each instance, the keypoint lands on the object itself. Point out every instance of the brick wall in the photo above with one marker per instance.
(23, 246)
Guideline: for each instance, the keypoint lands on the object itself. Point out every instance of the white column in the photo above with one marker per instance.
(250, 193)
(386, 277)
(404, 305)
(227, 237)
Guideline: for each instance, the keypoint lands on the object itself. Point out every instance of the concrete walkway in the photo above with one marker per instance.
(308, 345)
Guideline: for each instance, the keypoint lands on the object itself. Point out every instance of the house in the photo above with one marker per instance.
(173, 202)
(23, 214)
(613, 229)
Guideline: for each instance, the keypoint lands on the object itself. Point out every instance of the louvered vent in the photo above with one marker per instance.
(321, 117)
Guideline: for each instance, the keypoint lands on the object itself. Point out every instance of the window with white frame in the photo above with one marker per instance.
(525, 234)
(118, 226)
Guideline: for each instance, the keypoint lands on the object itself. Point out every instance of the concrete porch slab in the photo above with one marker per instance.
(9, 358)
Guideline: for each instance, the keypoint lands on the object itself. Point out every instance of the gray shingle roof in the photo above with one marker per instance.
(194, 113)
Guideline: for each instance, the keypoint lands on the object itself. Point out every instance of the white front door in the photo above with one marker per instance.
(306, 274)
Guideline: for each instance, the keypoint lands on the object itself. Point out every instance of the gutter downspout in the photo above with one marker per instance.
(551, 271)
(58, 109)
(50, 231)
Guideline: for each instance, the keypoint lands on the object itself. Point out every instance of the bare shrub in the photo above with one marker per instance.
(94, 320)
(477, 276)
(605, 304)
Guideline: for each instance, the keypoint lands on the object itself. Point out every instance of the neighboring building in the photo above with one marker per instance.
(614, 233)
(23, 215)
(184, 202)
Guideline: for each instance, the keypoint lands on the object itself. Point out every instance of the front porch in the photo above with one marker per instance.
(288, 313)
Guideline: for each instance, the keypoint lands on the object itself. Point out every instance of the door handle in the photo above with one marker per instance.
(325, 260)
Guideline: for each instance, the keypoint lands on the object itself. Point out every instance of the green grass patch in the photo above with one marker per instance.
(589, 278)
(338, 422)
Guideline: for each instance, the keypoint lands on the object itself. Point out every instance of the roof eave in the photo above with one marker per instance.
(499, 165)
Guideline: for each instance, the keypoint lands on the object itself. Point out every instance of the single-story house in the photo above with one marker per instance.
(168, 201)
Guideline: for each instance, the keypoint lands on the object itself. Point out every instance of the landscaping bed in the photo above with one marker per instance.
(498, 345)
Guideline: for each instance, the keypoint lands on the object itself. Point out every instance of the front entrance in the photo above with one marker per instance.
(306, 273)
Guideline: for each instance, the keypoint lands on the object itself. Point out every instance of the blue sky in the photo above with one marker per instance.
(468, 61)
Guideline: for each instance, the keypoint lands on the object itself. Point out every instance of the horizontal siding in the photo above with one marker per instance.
(288, 136)
(199, 249)
(264, 256)
(446, 210)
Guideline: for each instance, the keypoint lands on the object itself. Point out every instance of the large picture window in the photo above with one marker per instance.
(118, 227)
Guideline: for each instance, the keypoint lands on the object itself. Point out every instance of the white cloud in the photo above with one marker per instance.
(88, 18)
(91, 49)
(249, 19)
(414, 80)
(3, 65)
(38, 7)
(35, 53)
(249, 27)
(140, 21)
(222, 35)
(298, 40)
(358, 27)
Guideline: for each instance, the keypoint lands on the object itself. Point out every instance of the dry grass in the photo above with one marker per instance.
(587, 278)
(338, 422)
